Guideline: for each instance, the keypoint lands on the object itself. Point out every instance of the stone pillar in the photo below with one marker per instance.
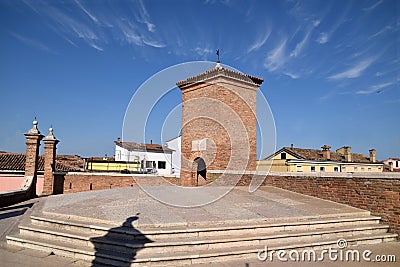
(33, 138)
(50, 143)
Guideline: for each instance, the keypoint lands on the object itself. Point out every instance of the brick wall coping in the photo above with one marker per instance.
(366, 175)
(118, 174)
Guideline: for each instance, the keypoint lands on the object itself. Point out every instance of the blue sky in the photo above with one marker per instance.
(331, 68)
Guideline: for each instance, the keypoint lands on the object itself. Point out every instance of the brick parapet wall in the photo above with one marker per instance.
(80, 182)
(378, 193)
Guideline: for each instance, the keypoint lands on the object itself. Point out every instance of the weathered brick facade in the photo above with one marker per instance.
(80, 182)
(33, 138)
(50, 143)
(378, 193)
(218, 110)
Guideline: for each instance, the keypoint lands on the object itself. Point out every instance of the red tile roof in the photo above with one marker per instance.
(211, 73)
(317, 155)
(16, 162)
(132, 146)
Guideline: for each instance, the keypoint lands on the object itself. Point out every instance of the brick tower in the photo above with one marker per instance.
(219, 124)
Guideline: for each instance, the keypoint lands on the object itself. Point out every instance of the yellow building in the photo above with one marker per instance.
(291, 159)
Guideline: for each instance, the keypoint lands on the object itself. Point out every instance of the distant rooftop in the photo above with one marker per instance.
(16, 162)
(132, 146)
(317, 155)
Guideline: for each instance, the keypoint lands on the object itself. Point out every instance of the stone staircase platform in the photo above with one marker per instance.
(178, 242)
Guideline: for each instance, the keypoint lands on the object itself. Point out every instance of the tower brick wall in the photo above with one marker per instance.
(219, 109)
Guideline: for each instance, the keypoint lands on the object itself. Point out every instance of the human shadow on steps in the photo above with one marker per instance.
(120, 245)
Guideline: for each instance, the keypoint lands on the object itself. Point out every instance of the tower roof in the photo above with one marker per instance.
(218, 70)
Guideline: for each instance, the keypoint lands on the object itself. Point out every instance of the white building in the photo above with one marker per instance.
(153, 158)
(175, 145)
(393, 163)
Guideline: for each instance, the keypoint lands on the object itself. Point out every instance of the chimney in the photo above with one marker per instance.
(50, 143)
(326, 152)
(291, 146)
(118, 140)
(372, 155)
(151, 141)
(347, 153)
(33, 138)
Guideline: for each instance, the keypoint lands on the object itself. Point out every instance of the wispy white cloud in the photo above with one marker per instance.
(145, 17)
(316, 22)
(354, 71)
(385, 29)
(97, 47)
(203, 51)
(323, 38)
(277, 57)
(373, 6)
(374, 88)
(129, 32)
(90, 15)
(302, 44)
(33, 43)
(153, 43)
(71, 28)
(292, 75)
(260, 41)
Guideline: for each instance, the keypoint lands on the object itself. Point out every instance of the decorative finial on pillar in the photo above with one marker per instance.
(50, 136)
(34, 129)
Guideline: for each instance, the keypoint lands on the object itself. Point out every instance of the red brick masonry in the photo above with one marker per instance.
(377, 193)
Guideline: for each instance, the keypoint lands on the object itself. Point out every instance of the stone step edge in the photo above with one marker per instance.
(130, 230)
(204, 240)
(86, 220)
(216, 253)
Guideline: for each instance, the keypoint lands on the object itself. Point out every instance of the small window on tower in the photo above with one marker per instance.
(283, 155)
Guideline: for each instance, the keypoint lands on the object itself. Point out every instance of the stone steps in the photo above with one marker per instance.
(116, 258)
(178, 245)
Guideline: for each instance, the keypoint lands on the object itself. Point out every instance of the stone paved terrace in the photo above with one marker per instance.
(266, 204)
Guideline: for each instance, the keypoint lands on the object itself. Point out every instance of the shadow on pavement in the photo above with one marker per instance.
(117, 244)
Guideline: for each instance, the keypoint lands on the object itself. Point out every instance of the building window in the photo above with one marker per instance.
(283, 155)
(161, 164)
(299, 168)
(362, 169)
(397, 164)
(355, 168)
(150, 164)
(313, 168)
(343, 168)
(322, 169)
(336, 169)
